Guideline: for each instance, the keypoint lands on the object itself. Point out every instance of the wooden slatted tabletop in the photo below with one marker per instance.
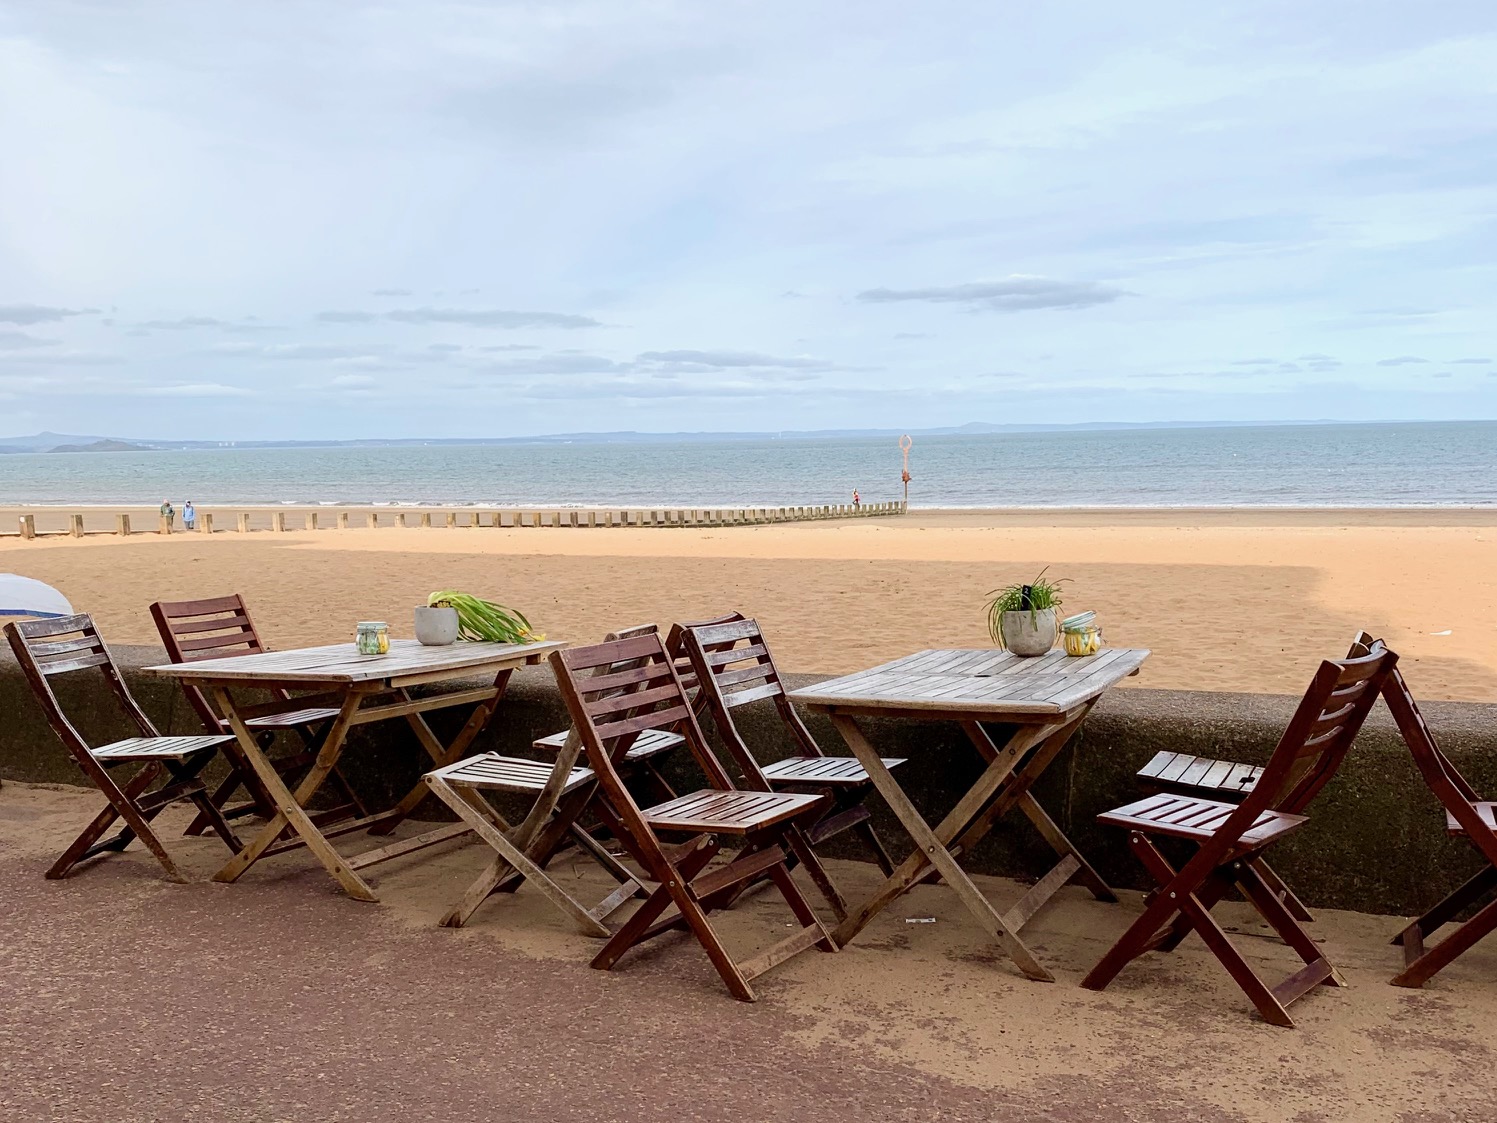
(978, 681)
(340, 663)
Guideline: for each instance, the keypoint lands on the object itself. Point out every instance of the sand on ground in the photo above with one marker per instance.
(1226, 600)
(278, 998)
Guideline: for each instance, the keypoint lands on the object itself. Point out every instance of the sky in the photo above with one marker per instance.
(345, 220)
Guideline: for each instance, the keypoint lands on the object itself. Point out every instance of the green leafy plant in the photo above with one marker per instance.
(1034, 597)
(484, 620)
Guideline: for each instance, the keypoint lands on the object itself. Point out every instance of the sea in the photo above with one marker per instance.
(1314, 465)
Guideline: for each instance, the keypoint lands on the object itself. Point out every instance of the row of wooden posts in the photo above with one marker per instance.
(719, 516)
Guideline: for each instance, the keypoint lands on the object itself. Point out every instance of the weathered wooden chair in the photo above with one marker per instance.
(641, 762)
(734, 666)
(45, 648)
(563, 793)
(608, 723)
(217, 628)
(1467, 816)
(559, 793)
(1230, 840)
(1227, 780)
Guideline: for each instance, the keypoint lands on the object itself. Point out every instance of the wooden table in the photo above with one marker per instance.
(364, 688)
(1046, 698)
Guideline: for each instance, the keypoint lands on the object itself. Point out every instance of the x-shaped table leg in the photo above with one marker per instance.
(931, 845)
(290, 806)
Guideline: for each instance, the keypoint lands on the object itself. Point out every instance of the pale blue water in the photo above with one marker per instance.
(1416, 464)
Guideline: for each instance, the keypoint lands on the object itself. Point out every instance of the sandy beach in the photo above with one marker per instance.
(1239, 600)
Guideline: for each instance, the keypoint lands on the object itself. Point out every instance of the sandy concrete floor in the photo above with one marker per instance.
(129, 998)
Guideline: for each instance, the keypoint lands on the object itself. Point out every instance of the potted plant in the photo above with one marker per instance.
(450, 614)
(1023, 618)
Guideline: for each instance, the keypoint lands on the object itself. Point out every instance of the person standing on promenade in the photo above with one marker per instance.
(169, 513)
(189, 516)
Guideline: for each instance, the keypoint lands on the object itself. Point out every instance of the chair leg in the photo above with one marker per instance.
(1474, 889)
(200, 798)
(876, 845)
(682, 870)
(491, 827)
(799, 905)
(1427, 963)
(800, 846)
(1268, 1003)
(140, 823)
(1276, 911)
(1277, 887)
(84, 845)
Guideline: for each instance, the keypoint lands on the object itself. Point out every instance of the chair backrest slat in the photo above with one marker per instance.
(1298, 769)
(1440, 775)
(60, 656)
(735, 667)
(626, 715)
(210, 628)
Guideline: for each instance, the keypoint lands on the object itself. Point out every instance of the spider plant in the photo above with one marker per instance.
(1033, 598)
(484, 620)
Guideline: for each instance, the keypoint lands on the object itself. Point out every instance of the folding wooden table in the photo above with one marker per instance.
(1046, 698)
(364, 688)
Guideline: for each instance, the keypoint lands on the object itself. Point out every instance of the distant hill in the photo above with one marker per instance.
(45, 442)
(59, 442)
(101, 446)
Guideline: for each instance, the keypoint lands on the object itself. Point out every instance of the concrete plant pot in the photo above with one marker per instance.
(1029, 632)
(436, 627)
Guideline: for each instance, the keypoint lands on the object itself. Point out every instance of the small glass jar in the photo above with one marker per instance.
(373, 637)
(1082, 641)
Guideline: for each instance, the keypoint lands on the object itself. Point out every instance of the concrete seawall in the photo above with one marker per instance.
(1375, 843)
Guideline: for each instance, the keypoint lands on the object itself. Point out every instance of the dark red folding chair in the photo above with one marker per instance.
(733, 666)
(1230, 841)
(1467, 816)
(219, 627)
(46, 648)
(608, 722)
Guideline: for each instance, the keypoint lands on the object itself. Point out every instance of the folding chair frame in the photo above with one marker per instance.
(1422, 961)
(712, 647)
(41, 654)
(607, 724)
(216, 627)
(1308, 754)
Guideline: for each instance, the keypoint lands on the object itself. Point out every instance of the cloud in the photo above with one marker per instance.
(1016, 294)
(560, 363)
(391, 292)
(511, 347)
(446, 347)
(1442, 374)
(476, 318)
(353, 381)
(1401, 361)
(296, 352)
(730, 360)
(1481, 361)
(195, 390)
(1254, 362)
(37, 314)
(185, 323)
(65, 359)
(1316, 357)
(20, 341)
